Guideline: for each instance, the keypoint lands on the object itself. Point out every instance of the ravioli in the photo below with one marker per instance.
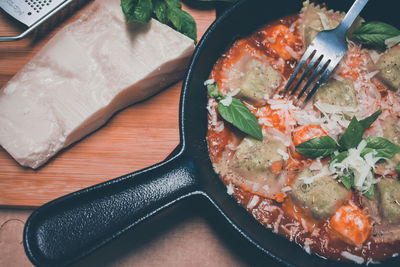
(307, 200)
(389, 67)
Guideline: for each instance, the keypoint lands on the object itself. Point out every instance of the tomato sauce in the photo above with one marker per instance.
(279, 213)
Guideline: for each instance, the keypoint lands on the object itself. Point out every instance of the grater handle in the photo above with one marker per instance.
(33, 26)
(16, 37)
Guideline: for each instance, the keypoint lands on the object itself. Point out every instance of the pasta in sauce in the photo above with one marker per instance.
(269, 178)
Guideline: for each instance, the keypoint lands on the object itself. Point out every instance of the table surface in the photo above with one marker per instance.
(187, 235)
(137, 137)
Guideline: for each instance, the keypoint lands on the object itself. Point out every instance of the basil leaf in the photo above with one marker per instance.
(317, 147)
(375, 33)
(352, 136)
(367, 122)
(382, 146)
(339, 157)
(128, 7)
(241, 117)
(160, 11)
(181, 20)
(370, 193)
(230, 1)
(166, 11)
(173, 4)
(347, 180)
(137, 10)
(213, 91)
(398, 168)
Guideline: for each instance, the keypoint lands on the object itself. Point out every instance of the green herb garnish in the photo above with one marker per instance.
(370, 193)
(352, 136)
(367, 122)
(374, 149)
(166, 11)
(318, 147)
(383, 147)
(235, 112)
(375, 34)
(347, 180)
(229, 1)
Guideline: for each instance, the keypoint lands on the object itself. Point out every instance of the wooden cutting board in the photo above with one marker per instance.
(134, 138)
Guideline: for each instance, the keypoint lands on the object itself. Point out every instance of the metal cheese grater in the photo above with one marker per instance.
(32, 13)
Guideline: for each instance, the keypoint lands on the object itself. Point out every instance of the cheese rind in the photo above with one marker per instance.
(85, 73)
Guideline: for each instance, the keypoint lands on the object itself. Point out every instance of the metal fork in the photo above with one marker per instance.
(324, 54)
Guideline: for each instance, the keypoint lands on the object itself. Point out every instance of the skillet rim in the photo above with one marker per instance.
(236, 214)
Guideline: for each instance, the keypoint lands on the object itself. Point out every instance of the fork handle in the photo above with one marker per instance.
(351, 15)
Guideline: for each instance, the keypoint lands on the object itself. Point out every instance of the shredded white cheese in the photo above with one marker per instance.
(227, 101)
(210, 81)
(370, 75)
(219, 126)
(234, 92)
(316, 165)
(286, 189)
(370, 261)
(266, 188)
(374, 55)
(390, 42)
(253, 202)
(361, 167)
(284, 155)
(324, 172)
(325, 21)
(229, 189)
(327, 108)
(291, 51)
(349, 256)
(255, 186)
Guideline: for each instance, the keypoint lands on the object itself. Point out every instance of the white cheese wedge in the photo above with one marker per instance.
(88, 71)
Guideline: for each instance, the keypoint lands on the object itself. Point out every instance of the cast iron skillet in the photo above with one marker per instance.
(69, 228)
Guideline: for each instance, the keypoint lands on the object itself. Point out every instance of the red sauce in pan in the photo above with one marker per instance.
(280, 214)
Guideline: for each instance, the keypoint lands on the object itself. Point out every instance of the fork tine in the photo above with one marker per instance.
(319, 68)
(303, 60)
(311, 64)
(324, 76)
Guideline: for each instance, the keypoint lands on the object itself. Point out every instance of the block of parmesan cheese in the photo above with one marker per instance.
(92, 68)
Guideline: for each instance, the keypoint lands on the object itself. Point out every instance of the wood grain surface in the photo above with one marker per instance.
(136, 137)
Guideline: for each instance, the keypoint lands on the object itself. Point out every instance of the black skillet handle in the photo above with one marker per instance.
(68, 228)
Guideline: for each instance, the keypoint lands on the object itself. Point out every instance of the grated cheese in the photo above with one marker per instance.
(374, 55)
(325, 21)
(316, 165)
(253, 202)
(390, 42)
(324, 171)
(234, 92)
(291, 51)
(278, 135)
(219, 126)
(286, 189)
(227, 101)
(266, 188)
(229, 189)
(349, 256)
(284, 155)
(361, 167)
(211, 108)
(328, 108)
(370, 261)
(210, 81)
(370, 75)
